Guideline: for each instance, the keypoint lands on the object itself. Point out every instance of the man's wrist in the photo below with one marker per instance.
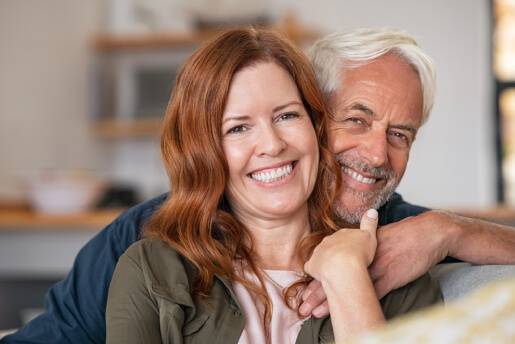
(451, 229)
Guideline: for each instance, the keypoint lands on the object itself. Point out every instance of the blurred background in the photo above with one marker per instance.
(84, 84)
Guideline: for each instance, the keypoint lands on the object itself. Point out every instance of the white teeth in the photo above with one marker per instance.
(358, 176)
(273, 175)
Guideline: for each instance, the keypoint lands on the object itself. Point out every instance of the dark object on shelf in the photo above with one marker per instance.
(201, 23)
(118, 197)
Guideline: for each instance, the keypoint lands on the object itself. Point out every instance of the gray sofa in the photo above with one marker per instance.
(460, 279)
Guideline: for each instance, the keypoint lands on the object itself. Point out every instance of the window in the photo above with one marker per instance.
(504, 73)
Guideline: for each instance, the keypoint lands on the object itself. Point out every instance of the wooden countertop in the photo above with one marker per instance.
(500, 213)
(21, 217)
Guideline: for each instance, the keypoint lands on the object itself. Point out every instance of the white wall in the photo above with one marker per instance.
(44, 62)
(452, 162)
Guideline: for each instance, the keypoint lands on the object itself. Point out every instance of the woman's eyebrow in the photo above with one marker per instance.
(281, 107)
(235, 118)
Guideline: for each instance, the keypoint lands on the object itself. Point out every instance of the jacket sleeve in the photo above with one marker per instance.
(132, 315)
(143, 309)
(75, 307)
(420, 293)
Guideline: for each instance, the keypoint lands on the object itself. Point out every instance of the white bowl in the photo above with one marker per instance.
(63, 195)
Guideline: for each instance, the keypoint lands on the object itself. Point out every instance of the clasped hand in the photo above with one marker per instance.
(338, 257)
(400, 257)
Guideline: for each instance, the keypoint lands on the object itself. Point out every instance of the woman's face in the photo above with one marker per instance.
(269, 143)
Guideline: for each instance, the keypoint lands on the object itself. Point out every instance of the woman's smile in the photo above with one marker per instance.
(271, 175)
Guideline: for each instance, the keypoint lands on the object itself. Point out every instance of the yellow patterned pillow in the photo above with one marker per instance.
(486, 316)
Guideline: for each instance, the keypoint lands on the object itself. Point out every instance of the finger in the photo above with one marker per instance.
(322, 310)
(313, 285)
(369, 221)
(314, 300)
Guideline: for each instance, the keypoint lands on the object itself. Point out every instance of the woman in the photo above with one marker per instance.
(244, 144)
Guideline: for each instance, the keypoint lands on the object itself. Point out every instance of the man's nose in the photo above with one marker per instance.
(374, 148)
(270, 142)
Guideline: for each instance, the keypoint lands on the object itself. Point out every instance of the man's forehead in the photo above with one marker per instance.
(396, 95)
(340, 107)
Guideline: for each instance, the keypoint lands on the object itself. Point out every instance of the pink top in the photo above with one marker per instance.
(285, 326)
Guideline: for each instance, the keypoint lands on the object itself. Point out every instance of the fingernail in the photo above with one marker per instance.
(317, 312)
(372, 213)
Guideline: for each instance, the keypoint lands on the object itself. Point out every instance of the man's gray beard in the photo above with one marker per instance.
(370, 200)
(367, 200)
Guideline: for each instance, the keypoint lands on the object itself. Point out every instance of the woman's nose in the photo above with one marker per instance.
(271, 142)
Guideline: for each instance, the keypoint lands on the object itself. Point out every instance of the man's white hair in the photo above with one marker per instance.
(354, 48)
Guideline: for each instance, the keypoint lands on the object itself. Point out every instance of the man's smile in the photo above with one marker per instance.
(356, 176)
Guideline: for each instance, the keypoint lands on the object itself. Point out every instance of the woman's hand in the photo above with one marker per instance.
(340, 263)
(349, 248)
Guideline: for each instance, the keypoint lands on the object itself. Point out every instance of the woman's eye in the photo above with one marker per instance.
(288, 115)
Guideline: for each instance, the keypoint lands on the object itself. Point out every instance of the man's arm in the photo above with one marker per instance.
(412, 239)
(409, 248)
(75, 307)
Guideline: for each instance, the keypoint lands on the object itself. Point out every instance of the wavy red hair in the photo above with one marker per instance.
(195, 219)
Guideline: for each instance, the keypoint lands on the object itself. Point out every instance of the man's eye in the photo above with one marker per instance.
(400, 136)
(355, 120)
(236, 129)
(400, 140)
(288, 115)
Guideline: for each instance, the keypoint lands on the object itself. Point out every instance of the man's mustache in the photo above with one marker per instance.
(363, 166)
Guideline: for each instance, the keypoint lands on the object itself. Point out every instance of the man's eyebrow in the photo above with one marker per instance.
(360, 107)
(371, 113)
(407, 127)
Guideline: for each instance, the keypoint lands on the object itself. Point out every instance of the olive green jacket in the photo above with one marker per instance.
(150, 301)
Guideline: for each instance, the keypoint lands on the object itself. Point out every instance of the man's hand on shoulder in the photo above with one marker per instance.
(405, 251)
(409, 248)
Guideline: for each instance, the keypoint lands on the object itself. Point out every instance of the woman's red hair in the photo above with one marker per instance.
(196, 219)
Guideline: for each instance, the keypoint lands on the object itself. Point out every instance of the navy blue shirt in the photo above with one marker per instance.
(75, 307)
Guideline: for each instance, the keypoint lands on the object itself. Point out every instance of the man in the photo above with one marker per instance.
(376, 109)
(379, 87)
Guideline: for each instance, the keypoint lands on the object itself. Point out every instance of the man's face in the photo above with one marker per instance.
(374, 118)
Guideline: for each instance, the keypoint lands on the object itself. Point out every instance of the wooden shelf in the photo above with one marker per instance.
(150, 40)
(23, 218)
(115, 129)
(109, 42)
